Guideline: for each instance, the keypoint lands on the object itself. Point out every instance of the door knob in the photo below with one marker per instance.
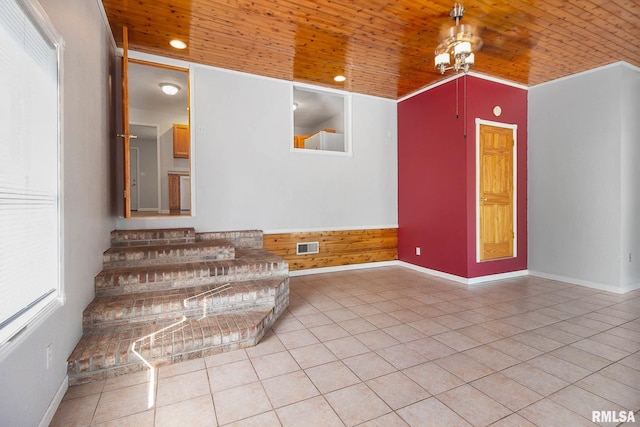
(122, 135)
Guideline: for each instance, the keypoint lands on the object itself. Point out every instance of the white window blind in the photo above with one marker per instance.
(29, 166)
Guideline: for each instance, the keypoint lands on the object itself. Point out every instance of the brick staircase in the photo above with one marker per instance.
(169, 295)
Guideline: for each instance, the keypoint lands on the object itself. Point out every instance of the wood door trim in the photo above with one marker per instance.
(514, 129)
(191, 173)
(126, 143)
(158, 64)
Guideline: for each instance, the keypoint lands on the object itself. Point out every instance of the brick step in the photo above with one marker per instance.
(243, 239)
(174, 253)
(110, 352)
(249, 264)
(170, 304)
(152, 237)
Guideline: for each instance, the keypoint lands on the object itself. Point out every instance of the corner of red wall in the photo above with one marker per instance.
(436, 174)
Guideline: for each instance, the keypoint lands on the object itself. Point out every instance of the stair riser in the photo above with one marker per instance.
(120, 238)
(123, 357)
(115, 284)
(123, 361)
(151, 258)
(94, 323)
(282, 302)
(247, 239)
(106, 373)
(229, 301)
(148, 308)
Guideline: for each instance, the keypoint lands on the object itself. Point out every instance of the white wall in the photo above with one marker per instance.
(28, 387)
(247, 177)
(630, 180)
(578, 213)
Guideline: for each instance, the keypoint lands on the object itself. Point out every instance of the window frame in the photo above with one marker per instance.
(26, 320)
(347, 98)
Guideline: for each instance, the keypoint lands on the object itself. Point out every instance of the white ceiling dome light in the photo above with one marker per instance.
(169, 88)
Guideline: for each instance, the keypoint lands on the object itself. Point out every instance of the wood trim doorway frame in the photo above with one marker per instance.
(177, 65)
(514, 130)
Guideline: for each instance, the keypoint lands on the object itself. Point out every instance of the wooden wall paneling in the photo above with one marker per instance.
(336, 248)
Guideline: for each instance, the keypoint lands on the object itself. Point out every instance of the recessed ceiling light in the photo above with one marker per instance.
(178, 44)
(339, 78)
(169, 88)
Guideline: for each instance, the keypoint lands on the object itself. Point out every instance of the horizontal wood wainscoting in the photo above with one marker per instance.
(335, 247)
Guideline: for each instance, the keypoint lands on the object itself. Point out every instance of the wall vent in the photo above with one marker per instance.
(303, 248)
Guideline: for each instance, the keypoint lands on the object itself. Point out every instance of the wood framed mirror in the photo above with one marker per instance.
(157, 154)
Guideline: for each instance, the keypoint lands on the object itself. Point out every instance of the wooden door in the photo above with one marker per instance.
(174, 193)
(496, 192)
(126, 142)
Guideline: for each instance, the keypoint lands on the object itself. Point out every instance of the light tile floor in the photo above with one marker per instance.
(394, 347)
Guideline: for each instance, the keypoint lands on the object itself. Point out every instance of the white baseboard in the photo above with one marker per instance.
(629, 288)
(494, 277)
(431, 272)
(55, 402)
(464, 280)
(586, 283)
(473, 281)
(341, 268)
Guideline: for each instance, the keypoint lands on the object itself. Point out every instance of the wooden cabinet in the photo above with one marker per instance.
(174, 193)
(181, 146)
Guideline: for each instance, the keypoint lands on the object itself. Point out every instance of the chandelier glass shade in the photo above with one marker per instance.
(458, 44)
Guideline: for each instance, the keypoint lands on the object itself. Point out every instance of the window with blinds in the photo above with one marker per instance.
(30, 222)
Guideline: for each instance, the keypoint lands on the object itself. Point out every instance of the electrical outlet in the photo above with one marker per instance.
(417, 250)
(49, 351)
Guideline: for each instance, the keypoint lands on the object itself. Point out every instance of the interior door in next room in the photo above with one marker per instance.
(133, 178)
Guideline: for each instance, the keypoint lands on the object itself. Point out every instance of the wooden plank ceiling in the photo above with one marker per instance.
(384, 48)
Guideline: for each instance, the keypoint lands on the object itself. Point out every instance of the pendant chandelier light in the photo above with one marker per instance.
(458, 42)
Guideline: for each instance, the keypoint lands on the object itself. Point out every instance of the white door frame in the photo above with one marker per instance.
(514, 129)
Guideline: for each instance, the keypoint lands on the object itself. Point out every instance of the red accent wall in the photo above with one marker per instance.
(437, 173)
